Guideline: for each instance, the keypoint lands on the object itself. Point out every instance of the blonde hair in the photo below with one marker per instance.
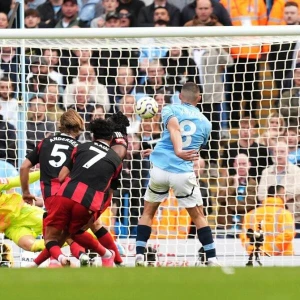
(71, 122)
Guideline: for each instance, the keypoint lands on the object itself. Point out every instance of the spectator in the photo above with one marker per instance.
(111, 59)
(146, 15)
(83, 103)
(150, 133)
(211, 63)
(237, 196)
(275, 129)
(32, 18)
(258, 154)
(180, 68)
(162, 99)
(290, 100)
(282, 173)
(8, 141)
(292, 140)
(127, 107)
(156, 80)
(69, 16)
(243, 77)
(204, 15)
(69, 66)
(9, 64)
(50, 13)
(282, 55)
(97, 91)
(161, 14)
(38, 127)
(112, 20)
(126, 18)
(125, 85)
(8, 104)
(188, 13)
(3, 20)
(51, 57)
(38, 78)
(97, 113)
(278, 12)
(133, 6)
(51, 98)
(110, 8)
(276, 223)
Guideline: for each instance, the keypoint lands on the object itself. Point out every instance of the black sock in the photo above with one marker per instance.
(142, 236)
(206, 239)
(101, 232)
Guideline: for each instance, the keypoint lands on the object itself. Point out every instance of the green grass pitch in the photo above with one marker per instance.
(150, 283)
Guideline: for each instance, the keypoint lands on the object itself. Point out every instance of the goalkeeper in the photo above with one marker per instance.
(20, 222)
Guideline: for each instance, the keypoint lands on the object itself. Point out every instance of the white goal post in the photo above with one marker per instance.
(48, 70)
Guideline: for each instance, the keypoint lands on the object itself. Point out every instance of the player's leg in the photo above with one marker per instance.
(79, 218)
(187, 192)
(105, 239)
(157, 191)
(57, 220)
(79, 252)
(26, 227)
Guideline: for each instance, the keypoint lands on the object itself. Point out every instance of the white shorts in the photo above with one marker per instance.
(184, 185)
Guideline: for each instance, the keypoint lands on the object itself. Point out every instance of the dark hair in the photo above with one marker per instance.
(101, 129)
(120, 122)
(161, 7)
(8, 79)
(31, 12)
(274, 189)
(190, 90)
(291, 3)
(161, 23)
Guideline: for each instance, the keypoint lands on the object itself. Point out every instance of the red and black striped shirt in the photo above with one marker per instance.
(93, 166)
(51, 153)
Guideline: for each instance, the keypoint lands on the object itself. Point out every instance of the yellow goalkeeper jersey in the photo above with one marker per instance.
(11, 204)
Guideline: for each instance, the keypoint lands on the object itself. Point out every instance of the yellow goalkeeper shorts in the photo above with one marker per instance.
(29, 222)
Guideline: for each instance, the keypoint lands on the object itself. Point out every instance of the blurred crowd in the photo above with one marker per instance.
(248, 151)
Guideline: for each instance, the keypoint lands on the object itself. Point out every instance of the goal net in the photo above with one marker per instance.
(249, 171)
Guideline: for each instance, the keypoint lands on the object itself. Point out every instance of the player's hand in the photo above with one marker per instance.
(145, 153)
(190, 155)
(28, 198)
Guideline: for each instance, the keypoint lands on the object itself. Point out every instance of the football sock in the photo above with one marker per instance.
(206, 239)
(38, 246)
(105, 239)
(43, 256)
(143, 235)
(88, 242)
(76, 250)
(54, 249)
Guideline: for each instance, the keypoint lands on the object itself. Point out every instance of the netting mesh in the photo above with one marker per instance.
(250, 92)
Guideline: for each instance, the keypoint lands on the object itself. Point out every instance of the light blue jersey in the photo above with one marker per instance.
(195, 131)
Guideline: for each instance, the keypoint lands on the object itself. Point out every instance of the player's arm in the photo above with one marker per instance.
(176, 138)
(66, 169)
(12, 182)
(31, 160)
(25, 181)
(64, 172)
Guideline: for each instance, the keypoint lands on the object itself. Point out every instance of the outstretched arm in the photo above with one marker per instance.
(176, 138)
